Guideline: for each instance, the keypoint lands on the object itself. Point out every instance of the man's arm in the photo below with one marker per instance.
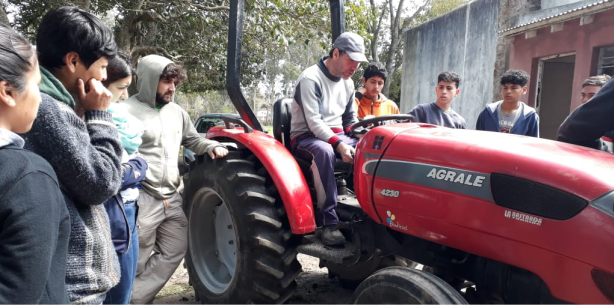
(591, 120)
(395, 108)
(29, 237)
(463, 123)
(479, 125)
(534, 128)
(193, 141)
(417, 114)
(309, 97)
(84, 155)
(133, 172)
(349, 115)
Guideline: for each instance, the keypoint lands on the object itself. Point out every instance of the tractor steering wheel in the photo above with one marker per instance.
(376, 121)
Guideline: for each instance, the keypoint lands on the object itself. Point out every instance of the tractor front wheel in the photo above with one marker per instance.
(402, 285)
(240, 248)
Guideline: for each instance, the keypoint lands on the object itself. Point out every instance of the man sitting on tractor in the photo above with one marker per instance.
(322, 112)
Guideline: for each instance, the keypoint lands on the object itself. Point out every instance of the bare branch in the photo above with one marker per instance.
(407, 22)
(211, 8)
(142, 50)
(147, 16)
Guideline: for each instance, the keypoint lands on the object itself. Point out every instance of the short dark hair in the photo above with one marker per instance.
(174, 70)
(69, 29)
(118, 68)
(449, 76)
(375, 69)
(16, 57)
(598, 80)
(330, 53)
(515, 77)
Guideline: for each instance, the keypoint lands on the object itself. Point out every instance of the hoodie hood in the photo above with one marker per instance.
(51, 86)
(526, 109)
(148, 73)
(8, 137)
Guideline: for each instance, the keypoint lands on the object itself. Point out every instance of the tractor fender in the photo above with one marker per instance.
(284, 171)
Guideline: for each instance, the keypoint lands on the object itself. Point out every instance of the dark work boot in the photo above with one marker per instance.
(332, 237)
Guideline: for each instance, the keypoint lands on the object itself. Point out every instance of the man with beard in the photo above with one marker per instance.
(162, 225)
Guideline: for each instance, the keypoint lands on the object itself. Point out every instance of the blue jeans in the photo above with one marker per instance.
(322, 157)
(121, 293)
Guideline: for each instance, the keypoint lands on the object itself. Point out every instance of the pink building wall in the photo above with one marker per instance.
(584, 41)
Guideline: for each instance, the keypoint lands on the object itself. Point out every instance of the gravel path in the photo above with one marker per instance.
(314, 287)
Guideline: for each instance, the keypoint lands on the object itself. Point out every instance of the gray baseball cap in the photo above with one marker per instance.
(353, 44)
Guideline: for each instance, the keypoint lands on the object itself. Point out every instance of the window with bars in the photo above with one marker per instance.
(606, 61)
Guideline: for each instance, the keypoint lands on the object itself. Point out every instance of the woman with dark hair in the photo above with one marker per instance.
(122, 208)
(34, 221)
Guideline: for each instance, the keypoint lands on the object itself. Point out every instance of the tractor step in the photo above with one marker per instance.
(316, 248)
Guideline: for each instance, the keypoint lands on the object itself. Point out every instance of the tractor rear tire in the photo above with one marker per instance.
(402, 285)
(241, 249)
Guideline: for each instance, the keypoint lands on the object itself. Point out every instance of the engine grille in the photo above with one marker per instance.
(534, 198)
(605, 282)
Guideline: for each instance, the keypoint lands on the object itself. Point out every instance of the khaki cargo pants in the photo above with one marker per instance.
(163, 229)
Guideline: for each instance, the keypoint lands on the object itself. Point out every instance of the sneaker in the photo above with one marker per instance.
(332, 237)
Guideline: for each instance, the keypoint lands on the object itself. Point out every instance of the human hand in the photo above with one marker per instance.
(96, 98)
(346, 152)
(218, 152)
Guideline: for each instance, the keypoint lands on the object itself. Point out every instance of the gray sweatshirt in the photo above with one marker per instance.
(85, 157)
(166, 129)
(323, 104)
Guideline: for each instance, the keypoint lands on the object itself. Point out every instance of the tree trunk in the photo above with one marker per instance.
(84, 4)
(395, 31)
(3, 17)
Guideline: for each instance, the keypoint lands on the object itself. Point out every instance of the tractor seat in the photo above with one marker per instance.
(282, 116)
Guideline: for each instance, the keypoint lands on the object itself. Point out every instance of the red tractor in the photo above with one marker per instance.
(492, 217)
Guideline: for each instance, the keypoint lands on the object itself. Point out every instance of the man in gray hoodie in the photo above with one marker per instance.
(162, 225)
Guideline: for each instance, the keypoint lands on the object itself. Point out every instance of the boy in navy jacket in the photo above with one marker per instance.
(510, 115)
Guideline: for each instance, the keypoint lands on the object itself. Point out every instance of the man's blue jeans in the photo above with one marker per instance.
(121, 293)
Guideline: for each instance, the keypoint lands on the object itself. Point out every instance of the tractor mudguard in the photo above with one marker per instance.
(284, 171)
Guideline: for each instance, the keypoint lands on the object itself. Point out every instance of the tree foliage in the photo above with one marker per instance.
(387, 20)
(280, 39)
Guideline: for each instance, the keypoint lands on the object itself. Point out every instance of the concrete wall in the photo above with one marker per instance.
(463, 41)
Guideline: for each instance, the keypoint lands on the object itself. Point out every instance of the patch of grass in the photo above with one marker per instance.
(269, 129)
(173, 290)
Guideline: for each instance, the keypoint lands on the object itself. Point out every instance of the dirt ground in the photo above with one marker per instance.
(314, 287)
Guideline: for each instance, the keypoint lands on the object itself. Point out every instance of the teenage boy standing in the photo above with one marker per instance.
(74, 132)
(592, 85)
(440, 112)
(588, 123)
(370, 100)
(510, 115)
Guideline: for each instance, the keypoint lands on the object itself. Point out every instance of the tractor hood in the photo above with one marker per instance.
(449, 156)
